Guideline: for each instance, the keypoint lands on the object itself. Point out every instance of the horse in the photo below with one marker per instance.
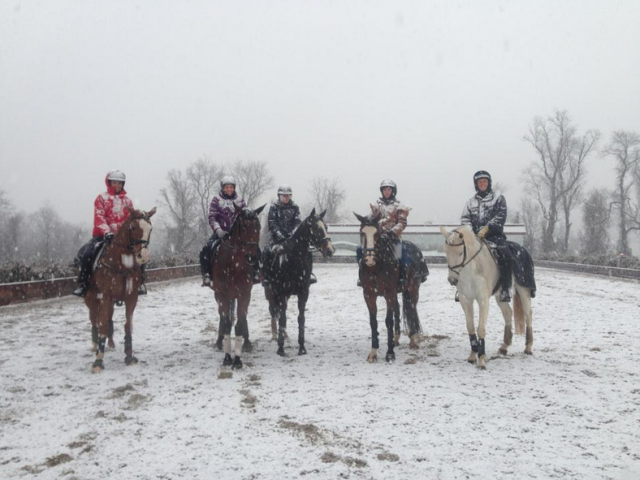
(117, 277)
(232, 278)
(288, 271)
(474, 271)
(379, 274)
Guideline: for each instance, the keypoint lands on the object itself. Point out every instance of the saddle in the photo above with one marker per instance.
(521, 264)
(417, 261)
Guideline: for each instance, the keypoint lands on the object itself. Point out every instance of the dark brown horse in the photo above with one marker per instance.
(232, 278)
(289, 273)
(117, 278)
(379, 273)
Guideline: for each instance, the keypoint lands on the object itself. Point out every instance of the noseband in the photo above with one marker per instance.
(464, 262)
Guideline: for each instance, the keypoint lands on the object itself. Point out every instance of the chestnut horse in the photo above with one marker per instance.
(232, 278)
(289, 271)
(379, 276)
(117, 277)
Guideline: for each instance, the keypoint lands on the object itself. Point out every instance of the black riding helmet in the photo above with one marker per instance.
(481, 174)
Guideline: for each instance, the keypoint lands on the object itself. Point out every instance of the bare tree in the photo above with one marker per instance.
(596, 218)
(555, 179)
(625, 148)
(181, 202)
(253, 179)
(532, 223)
(203, 175)
(328, 194)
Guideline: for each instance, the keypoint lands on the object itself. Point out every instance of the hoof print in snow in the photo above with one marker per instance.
(248, 399)
(388, 457)
(330, 457)
(354, 462)
(224, 375)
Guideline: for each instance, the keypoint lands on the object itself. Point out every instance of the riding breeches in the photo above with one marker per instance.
(503, 256)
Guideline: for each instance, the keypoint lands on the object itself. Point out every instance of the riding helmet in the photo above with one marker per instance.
(481, 174)
(116, 176)
(391, 184)
(285, 190)
(227, 180)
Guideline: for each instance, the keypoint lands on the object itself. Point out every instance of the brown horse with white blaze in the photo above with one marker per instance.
(232, 278)
(117, 278)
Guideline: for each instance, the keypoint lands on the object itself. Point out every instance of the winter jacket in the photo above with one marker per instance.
(110, 211)
(394, 215)
(490, 210)
(283, 220)
(222, 211)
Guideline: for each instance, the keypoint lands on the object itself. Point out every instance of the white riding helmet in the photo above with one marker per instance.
(116, 176)
(391, 184)
(285, 190)
(227, 180)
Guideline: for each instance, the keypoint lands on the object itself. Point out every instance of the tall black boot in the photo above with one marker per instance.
(204, 265)
(402, 276)
(83, 276)
(506, 274)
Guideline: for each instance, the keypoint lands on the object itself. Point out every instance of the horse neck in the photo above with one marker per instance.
(301, 238)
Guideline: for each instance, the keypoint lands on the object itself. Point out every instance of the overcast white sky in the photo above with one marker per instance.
(425, 93)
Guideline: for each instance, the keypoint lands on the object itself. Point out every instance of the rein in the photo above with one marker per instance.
(464, 262)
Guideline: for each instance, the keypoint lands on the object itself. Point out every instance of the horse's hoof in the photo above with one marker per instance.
(302, 351)
(247, 346)
(390, 357)
(471, 361)
(227, 360)
(396, 343)
(413, 345)
(237, 363)
(130, 360)
(482, 367)
(503, 351)
(98, 366)
(111, 345)
(528, 352)
(372, 359)
(219, 345)
(281, 352)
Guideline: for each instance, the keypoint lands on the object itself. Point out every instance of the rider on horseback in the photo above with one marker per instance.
(110, 212)
(283, 220)
(486, 213)
(393, 221)
(222, 214)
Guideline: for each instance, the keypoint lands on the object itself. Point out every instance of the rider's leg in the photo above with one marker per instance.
(506, 274)
(85, 260)
(313, 278)
(205, 261)
(401, 254)
(358, 258)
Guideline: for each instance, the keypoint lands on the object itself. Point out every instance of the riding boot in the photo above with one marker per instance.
(312, 278)
(402, 276)
(142, 289)
(504, 265)
(85, 261)
(204, 265)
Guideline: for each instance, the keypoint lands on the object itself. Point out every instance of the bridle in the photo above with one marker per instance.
(242, 246)
(133, 243)
(371, 251)
(321, 242)
(464, 262)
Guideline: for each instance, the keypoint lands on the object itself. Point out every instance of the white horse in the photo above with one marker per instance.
(475, 272)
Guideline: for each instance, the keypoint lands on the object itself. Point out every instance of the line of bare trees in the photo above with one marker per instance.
(555, 186)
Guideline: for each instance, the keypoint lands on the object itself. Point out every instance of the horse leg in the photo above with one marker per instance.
(220, 339)
(397, 324)
(93, 317)
(281, 309)
(242, 330)
(130, 306)
(104, 313)
(467, 307)
(525, 297)
(483, 312)
(507, 314)
(373, 312)
(225, 329)
(391, 307)
(110, 343)
(302, 303)
(412, 297)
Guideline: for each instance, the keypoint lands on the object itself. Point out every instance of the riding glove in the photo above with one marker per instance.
(483, 232)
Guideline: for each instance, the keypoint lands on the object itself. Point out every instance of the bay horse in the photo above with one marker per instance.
(117, 277)
(474, 271)
(289, 271)
(232, 278)
(379, 274)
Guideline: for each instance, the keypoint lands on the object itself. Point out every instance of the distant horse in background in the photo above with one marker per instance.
(232, 278)
(117, 278)
(474, 271)
(288, 271)
(379, 273)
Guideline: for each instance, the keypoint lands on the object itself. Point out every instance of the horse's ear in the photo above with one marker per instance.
(151, 212)
(321, 216)
(313, 212)
(444, 231)
(359, 217)
(377, 214)
(237, 207)
(258, 210)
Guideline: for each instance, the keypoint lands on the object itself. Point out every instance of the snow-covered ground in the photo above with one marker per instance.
(572, 410)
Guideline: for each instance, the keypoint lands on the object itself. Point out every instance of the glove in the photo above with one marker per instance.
(483, 232)
(220, 233)
(108, 237)
(390, 235)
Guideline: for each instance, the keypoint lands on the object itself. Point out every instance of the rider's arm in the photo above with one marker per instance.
(402, 213)
(465, 218)
(100, 222)
(496, 224)
(274, 228)
(214, 212)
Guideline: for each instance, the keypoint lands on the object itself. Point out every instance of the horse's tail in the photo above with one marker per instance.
(410, 323)
(518, 313)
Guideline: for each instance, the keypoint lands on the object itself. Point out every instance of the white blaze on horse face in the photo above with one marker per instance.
(127, 260)
(143, 255)
(369, 235)
(328, 246)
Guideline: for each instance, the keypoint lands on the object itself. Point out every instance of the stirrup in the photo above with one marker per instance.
(457, 297)
(359, 284)
(80, 291)
(256, 279)
(312, 279)
(505, 296)
(206, 280)
(142, 290)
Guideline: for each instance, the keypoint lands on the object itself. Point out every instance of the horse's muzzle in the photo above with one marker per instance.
(453, 280)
